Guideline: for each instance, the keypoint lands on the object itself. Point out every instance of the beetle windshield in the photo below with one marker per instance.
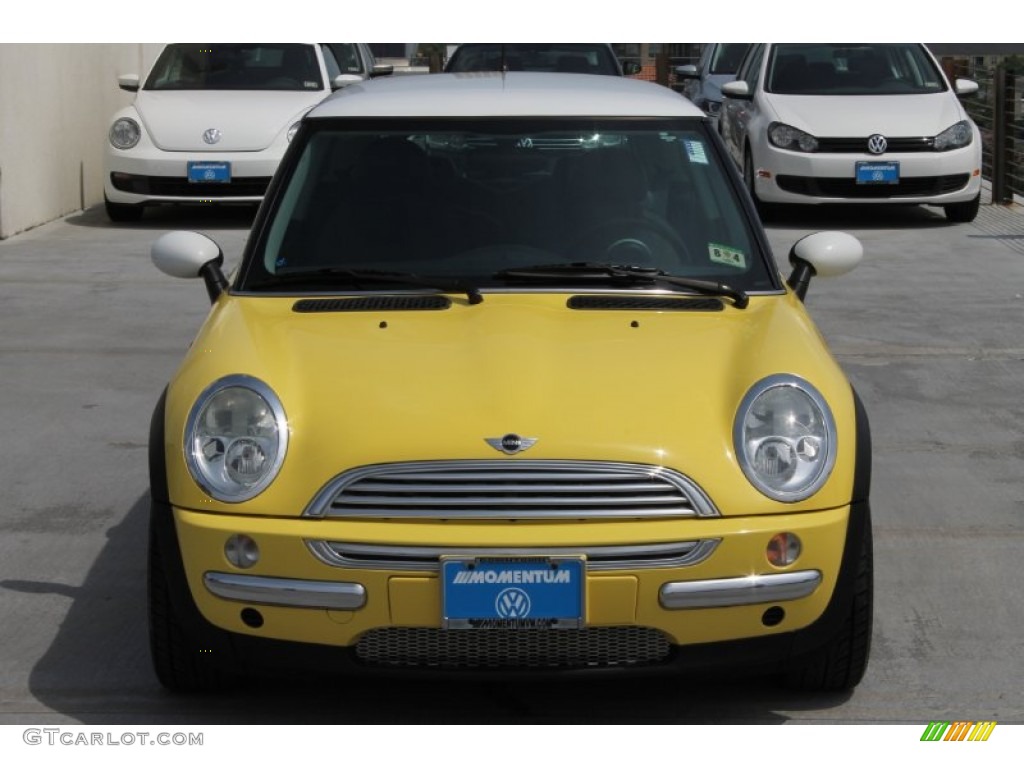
(859, 69)
(470, 199)
(583, 58)
(236, 67)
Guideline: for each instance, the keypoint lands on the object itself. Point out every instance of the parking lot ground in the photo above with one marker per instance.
(929, 329)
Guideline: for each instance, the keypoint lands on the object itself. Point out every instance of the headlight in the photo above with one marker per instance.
(785, 438)
(124, 133)
(235, 438)
(787, 137)
(954, 137)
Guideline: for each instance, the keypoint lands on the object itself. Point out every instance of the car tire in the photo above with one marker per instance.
(962, 213)
(178, 660)
(839, 664)
(122, 213)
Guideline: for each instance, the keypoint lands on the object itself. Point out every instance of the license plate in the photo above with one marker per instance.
(209, 173)
(878, 173)
(515, 593)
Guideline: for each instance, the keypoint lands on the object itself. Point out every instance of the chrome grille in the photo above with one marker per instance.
(589, 647)
(511, 489)
(407, 558)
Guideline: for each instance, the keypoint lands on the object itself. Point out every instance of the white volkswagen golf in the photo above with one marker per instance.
(212, 120)
(852, 123)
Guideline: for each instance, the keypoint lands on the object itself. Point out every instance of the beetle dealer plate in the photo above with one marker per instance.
(526, 593)
(209, 173)
(878, 173)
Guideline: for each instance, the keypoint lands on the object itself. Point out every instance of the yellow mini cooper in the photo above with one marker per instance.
(508, 380)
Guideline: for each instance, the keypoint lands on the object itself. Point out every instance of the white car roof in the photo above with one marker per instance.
(510, 94)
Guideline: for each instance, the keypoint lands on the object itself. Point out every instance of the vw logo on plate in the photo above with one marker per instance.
(877, 144)
(211, 135)
(512, 603)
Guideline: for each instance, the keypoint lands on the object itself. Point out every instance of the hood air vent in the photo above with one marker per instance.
(372, 304)
(657, 303)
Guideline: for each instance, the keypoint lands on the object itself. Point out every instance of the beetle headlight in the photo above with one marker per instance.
(785, 438)
(235, 438)
(787, 137)
(954, 137)
(124, 133)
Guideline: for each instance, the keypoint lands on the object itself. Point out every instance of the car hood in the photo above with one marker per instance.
(247, 120)
(848, 116)
(361, 388)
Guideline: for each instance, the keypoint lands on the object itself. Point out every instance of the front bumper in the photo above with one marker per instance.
(724, 590)
(147, 175)
(931, 178)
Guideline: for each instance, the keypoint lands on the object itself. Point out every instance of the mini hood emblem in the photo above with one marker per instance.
(212, 135)
(877, 144)
(510, 443)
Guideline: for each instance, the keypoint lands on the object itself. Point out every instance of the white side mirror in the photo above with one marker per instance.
(128, 83)
(184, 254)
(737, 89)
(828, 254)
(342, 80)
(189, 255)
(965, 87)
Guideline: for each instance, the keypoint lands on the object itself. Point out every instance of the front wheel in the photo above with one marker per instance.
(962, 213)
(840, 663)
(122, 213)
(181, 662)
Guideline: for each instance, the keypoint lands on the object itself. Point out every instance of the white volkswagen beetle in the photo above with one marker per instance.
(212, 120)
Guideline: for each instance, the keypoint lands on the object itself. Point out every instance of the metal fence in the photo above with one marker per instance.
(998, 110)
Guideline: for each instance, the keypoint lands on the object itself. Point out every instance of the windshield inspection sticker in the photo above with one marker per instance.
(695, 151)
(730, 257)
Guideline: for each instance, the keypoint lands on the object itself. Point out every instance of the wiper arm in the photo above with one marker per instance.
(358, 277)
(625, 273)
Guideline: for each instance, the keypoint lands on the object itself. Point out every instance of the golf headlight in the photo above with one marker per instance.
(235, 438)
(124, 133)
(785, 438)
(954, 137)
(787, 137)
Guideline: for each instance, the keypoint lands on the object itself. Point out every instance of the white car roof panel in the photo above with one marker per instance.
(510, 94)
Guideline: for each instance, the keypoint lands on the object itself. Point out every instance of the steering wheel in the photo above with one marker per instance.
(632, 240)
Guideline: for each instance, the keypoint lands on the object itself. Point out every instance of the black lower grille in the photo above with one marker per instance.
(916, 186)
(173, 186)
(495, 649)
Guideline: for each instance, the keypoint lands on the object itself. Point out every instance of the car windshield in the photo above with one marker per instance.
(468, 199)
(727, 57)
(858, 69)
(586, 58)
(236, 67)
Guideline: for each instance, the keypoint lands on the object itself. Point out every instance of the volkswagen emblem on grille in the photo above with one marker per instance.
(877, 144)
(512, 603)
(510, 443)
(211, 135)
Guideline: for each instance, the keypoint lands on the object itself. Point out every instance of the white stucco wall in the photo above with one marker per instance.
(55, 106)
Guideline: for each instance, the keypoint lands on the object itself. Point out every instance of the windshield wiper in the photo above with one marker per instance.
(625, 273)
(333, 276)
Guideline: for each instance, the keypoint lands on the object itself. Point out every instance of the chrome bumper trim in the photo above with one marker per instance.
(599, 558)
(746, 590)
(293, 593)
